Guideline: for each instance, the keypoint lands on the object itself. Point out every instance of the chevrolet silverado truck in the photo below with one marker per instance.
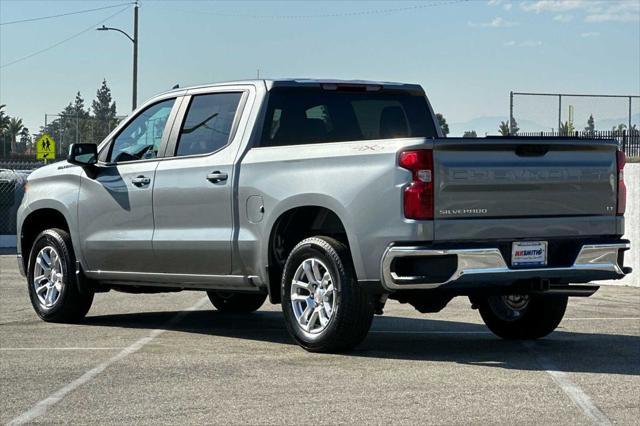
(328, 197)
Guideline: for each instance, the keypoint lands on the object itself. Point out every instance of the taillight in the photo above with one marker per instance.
(622, 188)
(418, 196)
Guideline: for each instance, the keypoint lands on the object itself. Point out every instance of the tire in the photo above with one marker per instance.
(325, 318)
(238, 303)
(58, 298)
(511, 318)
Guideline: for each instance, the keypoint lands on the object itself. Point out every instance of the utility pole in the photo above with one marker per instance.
(135, 56)
(134, 40)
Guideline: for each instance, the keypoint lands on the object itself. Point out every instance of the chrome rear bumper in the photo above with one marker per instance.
(594, 261)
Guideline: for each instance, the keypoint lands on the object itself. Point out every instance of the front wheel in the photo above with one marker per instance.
(522, 317)
(324, 307)
(53, 288)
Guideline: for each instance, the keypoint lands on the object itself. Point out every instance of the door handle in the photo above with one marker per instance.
(217, 176)
(141, 181)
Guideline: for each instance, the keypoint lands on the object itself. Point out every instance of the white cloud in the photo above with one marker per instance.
(591, 10)
(530, 43)
(497, 22)
(590, 34)
(507, 6)
(552, 5)
(613, 17)
(494, 2)
(563, 18)
(526, 43)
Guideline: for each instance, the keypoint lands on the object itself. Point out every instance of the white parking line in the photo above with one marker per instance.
(59, 349)
(602, 319)
(571, 389)
(41, 407)
(429, 332)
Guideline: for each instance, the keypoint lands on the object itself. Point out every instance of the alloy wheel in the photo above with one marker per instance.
(48, 277)
(313, 296)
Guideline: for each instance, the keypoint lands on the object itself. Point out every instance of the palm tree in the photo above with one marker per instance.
(4, 119)
(4, 122)
(13, 129)
(503, 128)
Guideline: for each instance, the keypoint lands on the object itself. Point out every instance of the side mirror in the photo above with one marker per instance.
(83, 154)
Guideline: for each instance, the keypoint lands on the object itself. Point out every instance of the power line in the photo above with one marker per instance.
(330, 15)
(92, 27)
(63, 14)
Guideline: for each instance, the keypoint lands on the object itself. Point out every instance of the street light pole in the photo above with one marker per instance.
(135, 57)
(134, 40)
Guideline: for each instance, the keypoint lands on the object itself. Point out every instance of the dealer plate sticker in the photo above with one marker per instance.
(529, 253)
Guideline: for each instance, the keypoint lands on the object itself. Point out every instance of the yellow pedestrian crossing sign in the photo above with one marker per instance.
(45, 148)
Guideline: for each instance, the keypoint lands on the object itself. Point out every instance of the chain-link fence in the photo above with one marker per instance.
(570, 113)
(63, 129)
(12, 184)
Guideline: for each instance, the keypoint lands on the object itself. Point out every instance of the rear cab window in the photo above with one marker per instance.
(298, 116)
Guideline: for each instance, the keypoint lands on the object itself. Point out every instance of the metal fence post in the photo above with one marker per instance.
(510, 113)
(559, 112)
(629, 113)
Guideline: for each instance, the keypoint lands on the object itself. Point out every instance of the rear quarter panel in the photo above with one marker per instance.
(359, 181)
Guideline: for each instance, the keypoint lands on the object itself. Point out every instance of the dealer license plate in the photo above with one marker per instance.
(529, 253)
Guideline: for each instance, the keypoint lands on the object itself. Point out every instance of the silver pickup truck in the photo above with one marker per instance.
(328, 197)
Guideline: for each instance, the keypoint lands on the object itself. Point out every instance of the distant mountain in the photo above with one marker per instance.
(608, 123)
(489, 125)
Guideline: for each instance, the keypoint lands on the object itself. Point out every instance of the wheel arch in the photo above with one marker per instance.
(34, 223)
(291, 226)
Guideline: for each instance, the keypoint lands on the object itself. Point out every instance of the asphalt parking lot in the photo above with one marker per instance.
(171, 358)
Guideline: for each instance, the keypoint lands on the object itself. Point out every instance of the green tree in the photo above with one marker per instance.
(619, 128)
(503, 128)
(4, 119)
(4, 124)
(104, 113)
(13, 130)
(567, 129)
(514, 126)
(25, 140)
(591, 125)
(470, 134)
(442, 122)
(72, 125)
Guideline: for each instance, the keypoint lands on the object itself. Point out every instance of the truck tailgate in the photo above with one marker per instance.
(509, 178)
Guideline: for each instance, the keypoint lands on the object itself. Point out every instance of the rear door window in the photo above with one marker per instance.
(207, 124)
(298, 116)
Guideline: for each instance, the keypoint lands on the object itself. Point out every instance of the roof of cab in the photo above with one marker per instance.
(305, 82)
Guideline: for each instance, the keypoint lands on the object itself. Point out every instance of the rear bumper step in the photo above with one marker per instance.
(480, 266)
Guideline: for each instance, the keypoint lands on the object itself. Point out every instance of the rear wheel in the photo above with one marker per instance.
(52, 281)
(324, 307)
(225, 301)
(522, 317)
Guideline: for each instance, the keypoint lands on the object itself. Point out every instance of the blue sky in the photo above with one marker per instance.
(467, 55)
